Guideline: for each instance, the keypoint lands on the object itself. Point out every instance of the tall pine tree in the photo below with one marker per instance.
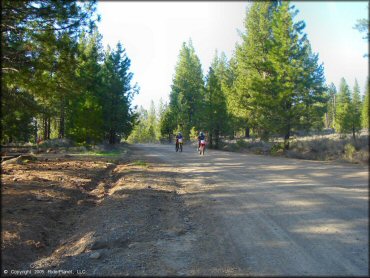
(187, 91)
(118, 94)
(343, 108)
(253, 85)
(355, 110)
(215, 101)
(365, 108)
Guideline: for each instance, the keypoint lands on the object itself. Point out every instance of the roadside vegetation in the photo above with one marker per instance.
(57, 79)
(330, 147)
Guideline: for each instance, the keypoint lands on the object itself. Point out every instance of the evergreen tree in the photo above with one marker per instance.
(85, 109)
(365, 108)
(187, 91)
(118, 94)
(310, 97)
(34, 36)
(153, 123)
(253, 85)
(279, 81)
(55, 78)
(330, 106)
(17, 120)
(343, 109)
(143, 131)
(215, 101)
(237, 115)
(355, 110)
(167, 124)
(226, 73)
(298, 79)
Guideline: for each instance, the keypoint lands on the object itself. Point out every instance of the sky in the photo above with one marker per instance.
(152, 34)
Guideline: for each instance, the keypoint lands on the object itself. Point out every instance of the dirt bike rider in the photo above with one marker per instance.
(178, 139)
(201, 137)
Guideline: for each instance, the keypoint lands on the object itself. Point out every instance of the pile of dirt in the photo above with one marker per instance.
(41, 200)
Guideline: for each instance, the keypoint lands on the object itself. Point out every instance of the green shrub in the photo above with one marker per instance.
(349, 151)
(277, 149)
(242, 143)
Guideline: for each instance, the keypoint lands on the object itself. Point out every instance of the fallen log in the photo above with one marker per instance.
(19, 159)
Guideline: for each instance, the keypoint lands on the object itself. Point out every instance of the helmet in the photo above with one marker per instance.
(201, 133)
(179, 133)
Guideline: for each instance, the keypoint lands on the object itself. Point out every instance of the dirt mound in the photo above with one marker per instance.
(40, 199)
(85, 213)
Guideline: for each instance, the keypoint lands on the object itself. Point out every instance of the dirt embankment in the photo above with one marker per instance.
(41, 203)
(93, 215)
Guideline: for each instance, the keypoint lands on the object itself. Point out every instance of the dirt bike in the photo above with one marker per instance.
(179, 145)
(202, 147)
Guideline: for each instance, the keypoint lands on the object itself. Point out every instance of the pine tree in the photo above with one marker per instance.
(343, 109)
(34, 37)
(310, 98)
(362, 26)
(236, 113)
(215, 101)
(330, 106)
(355, 110)
(167, 124)
(118, 93)
(85, 109)
(253, 85)
(365, 109)
(152, 123)
(187, 91)
(280, 83)
(298, 79)
(143, 131)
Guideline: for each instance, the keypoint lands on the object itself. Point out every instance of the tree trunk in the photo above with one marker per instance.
(45, 127)
(61, 121)
(48, 128)
(287, 136)
(334, 112)
(217, 138)
(232, 136)
(111, 137)
(36, 137)
(354, 136)
(286, 139)
(247, 132)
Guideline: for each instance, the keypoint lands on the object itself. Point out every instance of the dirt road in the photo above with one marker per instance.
(156, 212)
(273, 216)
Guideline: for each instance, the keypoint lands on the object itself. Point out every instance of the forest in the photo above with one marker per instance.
(58, 81)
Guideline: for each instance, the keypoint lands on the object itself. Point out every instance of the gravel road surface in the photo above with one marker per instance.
(262, 215)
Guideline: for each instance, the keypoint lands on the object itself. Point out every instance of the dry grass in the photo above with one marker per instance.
(330, 147)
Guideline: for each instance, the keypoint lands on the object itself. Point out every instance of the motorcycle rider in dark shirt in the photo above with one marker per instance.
(200, 138)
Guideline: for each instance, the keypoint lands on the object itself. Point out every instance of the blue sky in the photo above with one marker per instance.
(153, 32)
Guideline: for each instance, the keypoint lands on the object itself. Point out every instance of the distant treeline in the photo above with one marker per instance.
(57, 80)
(272, 85)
